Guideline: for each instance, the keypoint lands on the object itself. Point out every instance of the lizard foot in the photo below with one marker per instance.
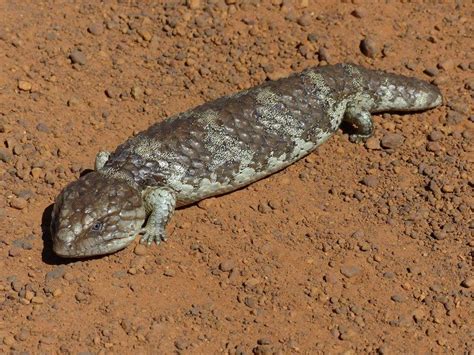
(359, 138)
(152, 235)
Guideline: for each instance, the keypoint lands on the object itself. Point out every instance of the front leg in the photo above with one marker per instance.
(160, 204)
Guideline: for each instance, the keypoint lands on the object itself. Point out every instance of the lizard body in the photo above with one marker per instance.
(219, 147)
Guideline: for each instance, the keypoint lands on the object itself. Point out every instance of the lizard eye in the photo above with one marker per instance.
(97, 227)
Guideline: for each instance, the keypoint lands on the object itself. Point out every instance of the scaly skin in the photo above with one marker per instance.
(219, 147)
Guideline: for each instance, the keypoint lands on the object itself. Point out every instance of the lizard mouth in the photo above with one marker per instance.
(92, 247)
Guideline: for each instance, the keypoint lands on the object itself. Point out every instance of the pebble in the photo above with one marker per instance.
(453, 117)
(439, 235)
(181, 344)
(323, 55)
(14, 252)
(359, 13)
(42, 127)
(78, 57)
(372, 143)
(24, 85)
(304, 20)
(145, 35)
(435, 136)
(368, 47)
(96, 28)
(350, 271)
(433, 147)
(5, 155)
(112, 93)
(36, 173)
(194, 4)
(447, 64)
(468, 283)
(9, 340)
(398, 298)
(140, 250)
(227, 265)
(370, 181)
(250, 302)
(169, 273)
(37, 300)
(136, 92)
(18, 203)
(391, 140)
(80, 297)
(431, 71)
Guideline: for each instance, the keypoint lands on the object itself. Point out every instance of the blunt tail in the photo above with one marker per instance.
(392, 92)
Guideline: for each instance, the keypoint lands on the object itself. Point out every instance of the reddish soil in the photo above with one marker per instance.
(359, 248)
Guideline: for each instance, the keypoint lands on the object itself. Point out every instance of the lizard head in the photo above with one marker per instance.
(95, 215)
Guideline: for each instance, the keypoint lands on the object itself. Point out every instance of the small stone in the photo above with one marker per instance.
(447, 64)
(398, 298)
(96, 29)
(29, 295)
(9, 340)
(136, 92)
(391, 140)
(447, 188)
(453, 117)
(57, 292)
(24, 85)
(468, 283)
(181, 344)
(431, 71)
(73, 101)
(18, 203)
(435, 136)
(359, 13)
(227, 265)
(14, 252)
(372, 143)
(350, 271)
(42, 127)
(370, 181)
(78, 57)
(80, 297)
(169, 273)
(140, 250)
(194, 4)
(5, 155)
(304, 20)
(112, 93)
(264, 341)
(251, 282)
(323, 55)
(36, 173)
(250, 302)
(439, 235)
(145, 35)
(433, 147)
(368, 47)
(37, 300)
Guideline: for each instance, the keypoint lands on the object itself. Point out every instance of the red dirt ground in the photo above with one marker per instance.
(355, 249)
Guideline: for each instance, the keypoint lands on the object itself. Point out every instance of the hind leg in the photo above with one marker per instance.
(362, 122)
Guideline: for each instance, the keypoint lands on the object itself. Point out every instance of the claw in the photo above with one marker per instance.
(149, 237)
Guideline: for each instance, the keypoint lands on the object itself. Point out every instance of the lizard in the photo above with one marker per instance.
(221, 146)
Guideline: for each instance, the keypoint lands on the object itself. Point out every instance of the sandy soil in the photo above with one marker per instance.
(358, 248)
